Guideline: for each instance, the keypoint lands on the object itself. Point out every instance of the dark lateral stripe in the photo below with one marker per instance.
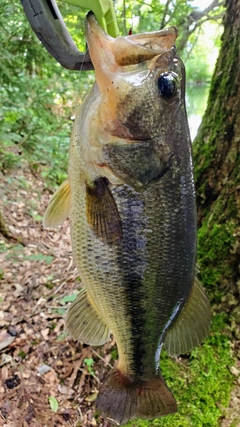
(132, 263)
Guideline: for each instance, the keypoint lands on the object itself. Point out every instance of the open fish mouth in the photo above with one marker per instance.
(108, 54)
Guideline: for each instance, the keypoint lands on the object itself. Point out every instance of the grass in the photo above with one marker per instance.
(201, 383)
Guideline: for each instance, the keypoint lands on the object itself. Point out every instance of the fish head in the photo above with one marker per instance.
(142, 85)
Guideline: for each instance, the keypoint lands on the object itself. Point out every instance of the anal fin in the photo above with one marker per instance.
(59, 206)
(192, 325)
(84, 323)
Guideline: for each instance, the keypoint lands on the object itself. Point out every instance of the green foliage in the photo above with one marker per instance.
(22, 354)
(114, 354)
(201, 52)
(53, 403)
(201, 383)
(62, 311)
(16, 253)
(89, 362)
(68, 298)
(37, 98)
(196, 69)
(39, 257)
(150, 15)
(13, 251)
(63, 301)
(196, 98)
(63, 336)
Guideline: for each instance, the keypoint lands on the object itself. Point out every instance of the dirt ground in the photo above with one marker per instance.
(47, 379)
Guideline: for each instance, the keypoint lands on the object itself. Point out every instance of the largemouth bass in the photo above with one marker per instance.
(131, 202)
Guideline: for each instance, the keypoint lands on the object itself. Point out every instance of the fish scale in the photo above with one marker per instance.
(131, 201)
(119, 274)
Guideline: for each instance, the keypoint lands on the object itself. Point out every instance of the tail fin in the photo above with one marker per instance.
(121, 398)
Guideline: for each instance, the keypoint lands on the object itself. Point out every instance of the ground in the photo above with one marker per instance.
(38, 361)
(48, 379)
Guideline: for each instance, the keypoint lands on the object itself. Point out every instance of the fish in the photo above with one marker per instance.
(130, 198)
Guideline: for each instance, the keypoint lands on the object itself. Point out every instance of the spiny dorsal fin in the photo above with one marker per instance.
(84, 323)
(59, 206)
(102, 212)
(192, 325)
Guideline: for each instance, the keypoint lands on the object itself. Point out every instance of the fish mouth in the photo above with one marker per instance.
(100, 46)
(110, 55)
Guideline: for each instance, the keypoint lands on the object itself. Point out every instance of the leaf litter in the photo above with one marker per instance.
(46, 378)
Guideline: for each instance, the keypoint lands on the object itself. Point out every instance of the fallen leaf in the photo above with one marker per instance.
(43, 369)
(5, 339)
(65, 390)
(5, 358)
(53, 403)
(92, 397)
(45, 333)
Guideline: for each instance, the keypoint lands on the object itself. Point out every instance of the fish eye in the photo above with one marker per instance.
(167, 84)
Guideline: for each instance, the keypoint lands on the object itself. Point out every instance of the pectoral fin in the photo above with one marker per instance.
(192, 325)
(84, 323)
(59, 206)
(102, 212)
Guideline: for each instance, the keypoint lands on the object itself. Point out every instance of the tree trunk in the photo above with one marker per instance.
(217, 173)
